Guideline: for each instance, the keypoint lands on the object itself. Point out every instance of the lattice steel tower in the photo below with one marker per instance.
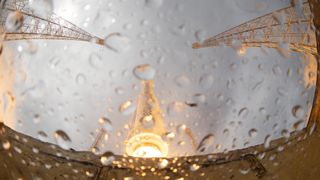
(291, 25)
(35, 27)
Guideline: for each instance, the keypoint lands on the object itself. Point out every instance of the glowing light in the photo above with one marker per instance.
(241, 51)
(146, 145)
(147, 152)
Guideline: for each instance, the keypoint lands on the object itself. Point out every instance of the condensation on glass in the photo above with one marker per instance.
(155, 89)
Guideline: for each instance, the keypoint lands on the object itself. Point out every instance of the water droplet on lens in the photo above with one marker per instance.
(107, 158)
(127, 108)
(226, 132)
(14, 21)
(297, 111)
(18, 150)
(205, 143)
(62, 139)
(276, 70)
(200, 35)
(285, 133)
(244, 171)
(181, 129)
(81, 79)
(163, 163)
(267, 141)
(42, 136)
(35, 150)
(6, 145)
(144, 72)
(175, 108)
(243, 113)
(95, 60)
(153, 3)
(147, 121)
(117, 42)
(206, 81)
(253, 133)
(43, 8)
(199, 98)
(299, 125)
(89, 174)
(182, 81)
(106, 124)
(194, 167)
(263, 111)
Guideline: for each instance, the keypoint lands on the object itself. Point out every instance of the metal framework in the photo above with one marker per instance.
(35, 27)
(291, 25)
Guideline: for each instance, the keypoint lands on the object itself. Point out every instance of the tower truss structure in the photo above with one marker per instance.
(33, 26)
(292, 25)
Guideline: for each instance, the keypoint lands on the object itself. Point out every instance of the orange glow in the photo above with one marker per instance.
(241, 51)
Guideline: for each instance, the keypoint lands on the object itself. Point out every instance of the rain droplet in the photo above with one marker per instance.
(106, 123)
(199, 98)
(279, 17)
(181, 128)
(54, 62)
(267, 141)
(181, 143)
(182, 81)
(35, 150)
(285, 133)
(226, 132)
(62, 139)
(36, 119)
(283, 49)
(6, 145)
(14, 21)
(276, 70)
(163, 163)
(95, 60)
(89, 174)
(312, 128)
(18, 150)
(147, 121)
(205, 143)
(168, 136)
(175, 108)
(297, 111)
(95, 150)
(194, 167)
(127, 26)
(117, 42)
(243, 113)
(253, 133)
(81, 79)
(153, 3)
(263, 111)
(107, 158)
(206, 81)
(43, 8)
(244, 171)
(42, 136)
(200, 35)
(119, 90)
(261, 155)
(127, 108)
(179, 30)
(299, 125)
(144, 72)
